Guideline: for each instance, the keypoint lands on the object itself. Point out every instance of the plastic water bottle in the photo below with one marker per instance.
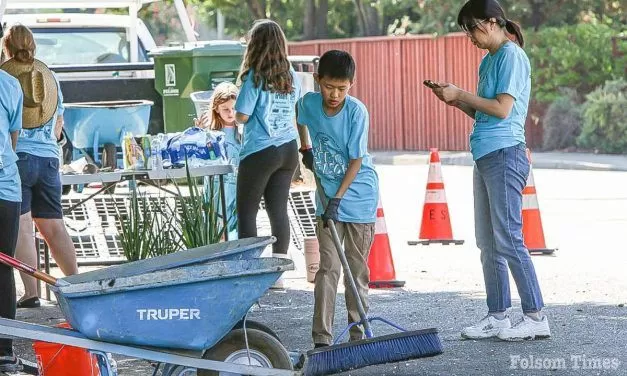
(155, 152)
(165, 153)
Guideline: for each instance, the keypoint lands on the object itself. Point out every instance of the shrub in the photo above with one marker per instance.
(578, 56)
(562, 122)
(605, 118)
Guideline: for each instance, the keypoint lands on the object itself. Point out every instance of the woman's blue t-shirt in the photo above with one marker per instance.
(506, 72)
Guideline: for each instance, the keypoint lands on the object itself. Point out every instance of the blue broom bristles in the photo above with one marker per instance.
(377, 350)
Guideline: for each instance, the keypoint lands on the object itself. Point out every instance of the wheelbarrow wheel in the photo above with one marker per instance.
(265, 351)
(176, 370)
(250, 324)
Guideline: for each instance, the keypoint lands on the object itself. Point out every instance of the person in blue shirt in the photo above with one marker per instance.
(220, 116)
(269, 156)
(337, 125)
(497, 143)
(38, 163)
(11, 99)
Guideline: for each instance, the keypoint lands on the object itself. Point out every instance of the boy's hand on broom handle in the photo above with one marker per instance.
(331, 211)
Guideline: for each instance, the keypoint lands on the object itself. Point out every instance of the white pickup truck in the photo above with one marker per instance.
(97, 57)
(67, 38)
(86, 38)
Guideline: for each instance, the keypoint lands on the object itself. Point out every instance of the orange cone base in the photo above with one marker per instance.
(436, 241)
(386, 284)
(542, 251)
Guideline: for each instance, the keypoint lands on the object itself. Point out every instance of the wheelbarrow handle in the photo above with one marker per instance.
(17, 264)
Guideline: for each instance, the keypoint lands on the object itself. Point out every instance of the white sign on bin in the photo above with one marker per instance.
(170, 81)
(170, 75)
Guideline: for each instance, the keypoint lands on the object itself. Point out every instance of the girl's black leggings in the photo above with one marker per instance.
(9, 226)
(267, 173)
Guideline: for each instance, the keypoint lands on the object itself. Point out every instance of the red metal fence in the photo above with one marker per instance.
(404, 114)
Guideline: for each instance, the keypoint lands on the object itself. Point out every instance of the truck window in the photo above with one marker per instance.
(64, 46)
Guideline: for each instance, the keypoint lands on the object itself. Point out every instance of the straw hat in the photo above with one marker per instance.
(40, 91)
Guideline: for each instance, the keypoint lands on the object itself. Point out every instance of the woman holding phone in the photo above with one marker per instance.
(497, 143)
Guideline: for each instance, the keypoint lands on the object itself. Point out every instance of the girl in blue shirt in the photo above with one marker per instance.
(497, 143)
(269, 155)
(38, 164)
(221, 117)
(11, 100)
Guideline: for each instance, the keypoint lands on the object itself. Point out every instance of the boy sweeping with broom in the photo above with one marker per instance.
(338, 126)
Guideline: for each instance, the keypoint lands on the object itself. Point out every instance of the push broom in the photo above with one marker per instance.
(372, 350)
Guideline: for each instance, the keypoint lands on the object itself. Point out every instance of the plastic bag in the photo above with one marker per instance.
(201, 147)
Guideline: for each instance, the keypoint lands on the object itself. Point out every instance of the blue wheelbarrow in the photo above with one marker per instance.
(96, 129)
(182, 311)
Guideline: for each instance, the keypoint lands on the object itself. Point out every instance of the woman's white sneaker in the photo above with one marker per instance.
(488, 327)
(527, 328)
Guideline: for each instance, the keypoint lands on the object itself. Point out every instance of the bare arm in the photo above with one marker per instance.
(58, 127)
(465, 108)
(303, 134)
(241, 118)
(499, 107)
(354, 165)
(14, 136)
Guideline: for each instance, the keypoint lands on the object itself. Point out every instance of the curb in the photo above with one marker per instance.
(587, 162)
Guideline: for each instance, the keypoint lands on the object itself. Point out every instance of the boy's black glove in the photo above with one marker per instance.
(308, 158)
(331, 212)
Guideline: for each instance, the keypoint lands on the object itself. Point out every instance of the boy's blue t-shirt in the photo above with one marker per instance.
(11, 102)
(42, 142)
(506, 72)
(335, 141)
(271, 115)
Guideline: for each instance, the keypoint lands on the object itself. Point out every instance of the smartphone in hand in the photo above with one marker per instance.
(430, 84)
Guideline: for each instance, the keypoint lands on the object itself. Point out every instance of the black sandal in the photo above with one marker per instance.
(32, 302)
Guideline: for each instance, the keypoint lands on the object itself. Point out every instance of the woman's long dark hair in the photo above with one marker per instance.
(479, 10)
(266, 55)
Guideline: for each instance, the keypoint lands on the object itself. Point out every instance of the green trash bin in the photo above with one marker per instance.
(182, 70)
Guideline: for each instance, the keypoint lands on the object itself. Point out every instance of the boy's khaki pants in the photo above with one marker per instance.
(357, 239)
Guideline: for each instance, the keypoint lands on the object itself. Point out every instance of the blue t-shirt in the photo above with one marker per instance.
(11, 102)
(506, 72)
(233, 149)
(271, 115)
(335, 141)
(42, 142)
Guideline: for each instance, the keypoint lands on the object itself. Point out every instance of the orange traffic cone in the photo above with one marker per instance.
(380, 262)
(436, 223)
(533, 234)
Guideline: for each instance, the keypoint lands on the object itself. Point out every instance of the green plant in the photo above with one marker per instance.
(197, 216)
(579, 56)
(605, 118)
(144, 230)
(562, 122)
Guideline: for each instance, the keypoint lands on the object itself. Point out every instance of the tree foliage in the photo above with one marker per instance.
(581, 57)
(320, 19)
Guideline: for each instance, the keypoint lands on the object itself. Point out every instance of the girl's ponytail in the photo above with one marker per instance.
(514, 29)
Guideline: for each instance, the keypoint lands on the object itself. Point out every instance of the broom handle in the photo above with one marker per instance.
(347, 270)
(17, 264)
